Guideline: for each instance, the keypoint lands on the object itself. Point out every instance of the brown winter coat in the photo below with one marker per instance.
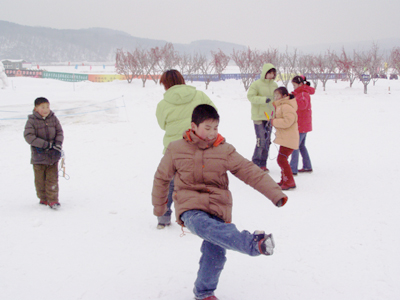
(39, 133)
(285, 122)
(201, 179)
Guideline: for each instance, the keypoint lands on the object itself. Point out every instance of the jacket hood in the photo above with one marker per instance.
(286, 100)
(191, 137)
(304, 88)
(180, 94)
(265, 69)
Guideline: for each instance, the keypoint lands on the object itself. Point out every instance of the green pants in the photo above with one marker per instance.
(46, 182)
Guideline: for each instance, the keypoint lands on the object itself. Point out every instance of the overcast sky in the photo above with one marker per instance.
(256, 23)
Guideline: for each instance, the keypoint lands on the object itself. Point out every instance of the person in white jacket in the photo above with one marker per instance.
(3, 76)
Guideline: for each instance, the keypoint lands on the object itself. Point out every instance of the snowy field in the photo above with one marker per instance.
(336, 238)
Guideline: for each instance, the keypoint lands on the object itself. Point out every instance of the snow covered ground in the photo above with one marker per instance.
(336, 238)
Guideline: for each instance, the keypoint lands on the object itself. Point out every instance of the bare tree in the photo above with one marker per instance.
(167, 59)
(376, 62)
(362, 63)
(394, 60)
(271, 56)
(287, 67)
(323, 66)
(249, 63)
(206, 68)
(346, 65)
(147, 60)
(193, 65)
(183, 63)
(303, 66)
(220, 61)
(155, 56)
(314, 71)
(126, 64)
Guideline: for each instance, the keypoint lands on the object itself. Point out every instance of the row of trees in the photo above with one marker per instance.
(150, 63)
(366, 66)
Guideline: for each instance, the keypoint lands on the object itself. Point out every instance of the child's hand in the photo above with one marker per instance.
(57, 147)
(282, 202)
(49, 146)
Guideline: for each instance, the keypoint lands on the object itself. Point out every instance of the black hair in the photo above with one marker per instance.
(272, 70)
(282, 90)
(204, 112)
(300, 79)
(41, 100)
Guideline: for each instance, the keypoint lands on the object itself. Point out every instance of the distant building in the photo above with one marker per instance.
(18, 64)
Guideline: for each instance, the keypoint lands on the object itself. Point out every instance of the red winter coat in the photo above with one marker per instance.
(302, 94)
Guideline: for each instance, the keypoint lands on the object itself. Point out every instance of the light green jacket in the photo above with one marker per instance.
(174, 112)
(258, 93)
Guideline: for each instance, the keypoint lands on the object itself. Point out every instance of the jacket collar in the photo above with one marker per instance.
(191, 137)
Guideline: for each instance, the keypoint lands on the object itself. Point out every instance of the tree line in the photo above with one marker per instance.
(366, 66)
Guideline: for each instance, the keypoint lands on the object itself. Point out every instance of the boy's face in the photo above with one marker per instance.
(43, 109)
(207, 131)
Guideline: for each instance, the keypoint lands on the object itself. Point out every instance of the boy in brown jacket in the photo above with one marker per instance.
(203, 202)
(44, 133)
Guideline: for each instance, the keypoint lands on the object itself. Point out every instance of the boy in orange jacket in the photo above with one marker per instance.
(203, 202)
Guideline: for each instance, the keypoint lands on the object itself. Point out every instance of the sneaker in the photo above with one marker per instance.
(266, 242)
(264, 169)
(305, 170)
(210, 298)
(294, 174)
(162, 225)
(286, 186)
(43, 202)
(54, 205)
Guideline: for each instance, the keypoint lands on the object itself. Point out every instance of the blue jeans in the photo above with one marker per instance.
(218, 236)
(166, 218)
(263, 135)
(294, 161)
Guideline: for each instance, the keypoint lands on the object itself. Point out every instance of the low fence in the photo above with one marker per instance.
(71, 77)
(76, 77)
(25, 73)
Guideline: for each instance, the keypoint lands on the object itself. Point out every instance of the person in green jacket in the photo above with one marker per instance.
(174, 115)
(261, 96)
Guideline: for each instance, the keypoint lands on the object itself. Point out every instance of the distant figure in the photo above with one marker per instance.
(287, 134)
(3, 76)
(174, 115)
(302, 92)
(261, 96)
(44, 133)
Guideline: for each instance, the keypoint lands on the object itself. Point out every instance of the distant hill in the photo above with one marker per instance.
(40, 44)
(385, 46)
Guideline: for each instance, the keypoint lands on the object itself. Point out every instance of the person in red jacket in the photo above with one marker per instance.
(302, 92)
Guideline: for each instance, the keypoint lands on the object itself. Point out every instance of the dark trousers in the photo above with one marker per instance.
(46, 182)
(263, 134)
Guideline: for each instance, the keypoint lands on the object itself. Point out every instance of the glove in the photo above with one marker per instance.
(57, 147)
(49, 145)
(282, 202)
(267, 100)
